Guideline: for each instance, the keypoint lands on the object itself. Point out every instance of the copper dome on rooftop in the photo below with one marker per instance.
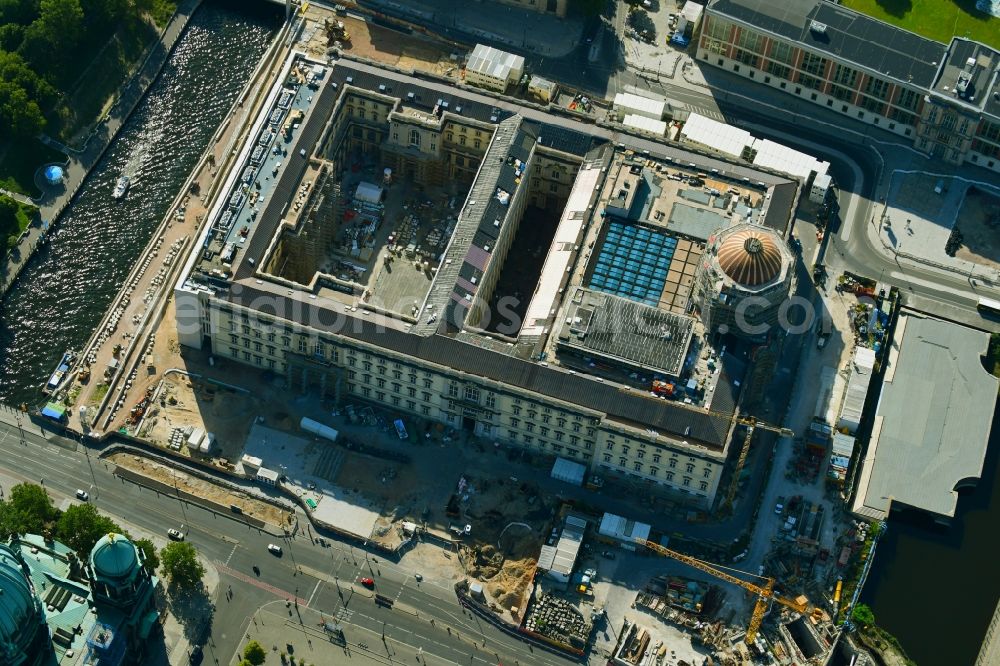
(750, 257)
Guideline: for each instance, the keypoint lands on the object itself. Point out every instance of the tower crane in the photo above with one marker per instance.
(751, 424)
(764, 592)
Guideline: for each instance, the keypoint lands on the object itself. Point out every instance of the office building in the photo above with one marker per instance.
(945, 97)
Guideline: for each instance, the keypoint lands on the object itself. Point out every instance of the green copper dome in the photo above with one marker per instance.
(18, 607)
(114, 556)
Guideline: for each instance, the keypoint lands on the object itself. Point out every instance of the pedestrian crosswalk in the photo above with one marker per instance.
(276, 591)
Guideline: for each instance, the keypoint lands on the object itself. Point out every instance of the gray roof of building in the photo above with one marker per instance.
(699, 223)
(423, 98)
(848, 35)
(779, 208)
(619, 404)
(936, 410)
(638, 335)
(288, 182)
(982, 76)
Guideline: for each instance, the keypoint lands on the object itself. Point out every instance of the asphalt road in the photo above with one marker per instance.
(322, 578)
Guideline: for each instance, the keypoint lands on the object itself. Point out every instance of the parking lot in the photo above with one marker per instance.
(646, 34)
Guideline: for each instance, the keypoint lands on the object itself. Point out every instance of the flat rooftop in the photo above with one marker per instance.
(637, 335)
(933, 419)
(969, 75)
(843, 34)
(519, 132)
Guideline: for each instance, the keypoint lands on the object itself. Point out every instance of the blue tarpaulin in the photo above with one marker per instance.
(54, 411)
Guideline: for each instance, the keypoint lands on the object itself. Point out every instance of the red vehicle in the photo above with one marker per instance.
(367, 582)
(663, 388)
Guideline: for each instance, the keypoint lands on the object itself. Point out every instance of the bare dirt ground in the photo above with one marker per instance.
(182, 401)
(979, 222)
(154, 470)
(434, 562)
(381, 44)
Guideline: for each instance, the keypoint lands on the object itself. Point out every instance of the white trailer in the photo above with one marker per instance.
(318, 429)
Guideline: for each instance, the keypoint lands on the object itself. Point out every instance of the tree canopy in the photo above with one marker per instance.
(148, 549)
(28, 510)
(41, 43)
(863, 615)
(254, 653)
(181, 566)
(80, 527)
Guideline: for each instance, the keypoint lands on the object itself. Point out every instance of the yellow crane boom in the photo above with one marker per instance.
(751, 424)
(764, 592)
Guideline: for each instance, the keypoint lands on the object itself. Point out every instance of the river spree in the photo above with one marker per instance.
(935, 588)
(62, 295)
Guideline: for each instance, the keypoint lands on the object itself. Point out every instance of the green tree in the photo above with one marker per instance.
(148, 549)
(180, 565)
(62, 19)
(254, 653)
(863, 615)
(19, 115)
(28, 511)
(22, 12)
(81, 526)
(14, 70)
(52, 38)
(11, 36)
(8, 217)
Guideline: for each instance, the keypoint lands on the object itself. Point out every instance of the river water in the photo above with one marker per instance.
(62, 295)
(935, 588)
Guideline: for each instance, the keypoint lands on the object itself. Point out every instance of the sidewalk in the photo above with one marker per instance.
(54, 199)
(277, 629)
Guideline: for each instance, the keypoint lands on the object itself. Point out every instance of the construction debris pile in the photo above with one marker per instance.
(710, 633)
(557, 619)
(482, 561)
(683, 593)
(635, 645)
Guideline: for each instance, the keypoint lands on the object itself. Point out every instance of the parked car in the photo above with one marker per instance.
(367, 582)
(83, 495)
(273, 549)
(608, 555)
(779, 508)
(176, 535)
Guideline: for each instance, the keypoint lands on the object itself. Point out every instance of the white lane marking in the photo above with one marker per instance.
(315, 590)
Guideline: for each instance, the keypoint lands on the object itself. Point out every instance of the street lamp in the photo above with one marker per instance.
(177, 490)
(20, 429)
(86, 452)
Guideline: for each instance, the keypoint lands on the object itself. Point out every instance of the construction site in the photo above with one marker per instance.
(362, 194)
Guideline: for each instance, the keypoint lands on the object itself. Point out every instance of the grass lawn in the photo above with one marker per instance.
(19, 162)
(935, 19)
(99, 83)
(161, 11)
(25, 215)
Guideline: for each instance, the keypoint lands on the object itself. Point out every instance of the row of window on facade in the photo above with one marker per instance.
(685, 482)
(470, 393)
